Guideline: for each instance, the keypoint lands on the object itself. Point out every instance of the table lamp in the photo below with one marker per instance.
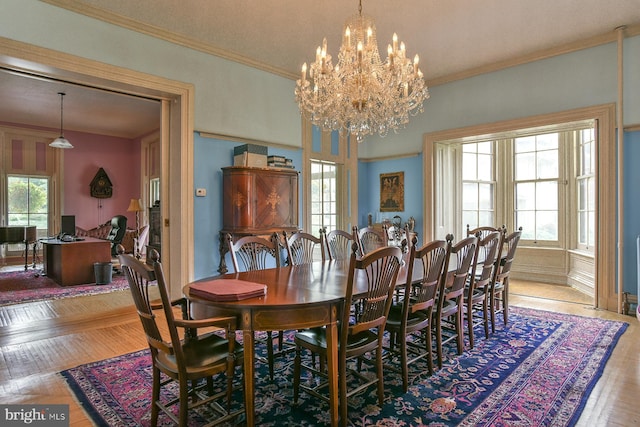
(135, 206)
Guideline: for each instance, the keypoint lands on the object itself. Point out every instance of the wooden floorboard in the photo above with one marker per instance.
(38, 340)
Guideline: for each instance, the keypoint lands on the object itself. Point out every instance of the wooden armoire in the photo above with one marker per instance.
(257, 201)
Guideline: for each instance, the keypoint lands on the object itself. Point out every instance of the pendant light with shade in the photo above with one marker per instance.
(61, 141)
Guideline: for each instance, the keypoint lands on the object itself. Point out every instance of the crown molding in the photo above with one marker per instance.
(162, 34)
(609, 37)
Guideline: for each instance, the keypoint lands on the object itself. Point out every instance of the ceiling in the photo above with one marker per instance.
(279, 35)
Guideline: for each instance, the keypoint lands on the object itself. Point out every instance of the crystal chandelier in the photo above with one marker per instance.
(361, 94)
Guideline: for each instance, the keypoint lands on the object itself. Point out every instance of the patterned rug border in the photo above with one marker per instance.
(394, 412)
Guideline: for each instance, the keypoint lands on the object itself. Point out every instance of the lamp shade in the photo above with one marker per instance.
(134, 206)
(61, 142)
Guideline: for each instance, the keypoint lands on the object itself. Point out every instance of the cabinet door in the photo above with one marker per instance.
(274, 197)
(238, 200)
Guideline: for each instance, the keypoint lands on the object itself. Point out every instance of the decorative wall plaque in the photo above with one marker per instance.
(101, 186)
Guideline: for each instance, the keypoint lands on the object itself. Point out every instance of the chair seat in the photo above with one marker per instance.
(478, 295)
(413, 319)
(317, 338)
(200, 354)
(449, 308)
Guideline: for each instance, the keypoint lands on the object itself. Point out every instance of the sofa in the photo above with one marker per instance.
(102, 231)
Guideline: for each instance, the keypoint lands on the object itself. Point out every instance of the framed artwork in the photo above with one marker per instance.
(392, 192)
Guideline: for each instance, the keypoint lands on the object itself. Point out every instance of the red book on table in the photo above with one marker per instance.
(227, 289)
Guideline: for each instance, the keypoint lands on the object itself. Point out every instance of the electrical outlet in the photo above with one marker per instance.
(201, 192)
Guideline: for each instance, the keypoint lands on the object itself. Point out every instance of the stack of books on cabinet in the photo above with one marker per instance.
(279, 162)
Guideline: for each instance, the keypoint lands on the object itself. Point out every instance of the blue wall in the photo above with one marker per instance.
(631, 210)
(210, 156)
(369, 190)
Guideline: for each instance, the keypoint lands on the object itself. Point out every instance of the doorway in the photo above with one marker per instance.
(176, 134)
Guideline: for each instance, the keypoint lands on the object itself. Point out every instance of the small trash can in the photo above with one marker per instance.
(102, 271)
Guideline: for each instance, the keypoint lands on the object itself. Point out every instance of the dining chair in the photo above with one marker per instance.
(499, 300)
(450, 301)
(370, 284)
(257, 253)
(302, 248)
(409, 322)
(185, 357)
(477, 299)
(483, 230)
(250, 253)
(338, 244)
(370, 239)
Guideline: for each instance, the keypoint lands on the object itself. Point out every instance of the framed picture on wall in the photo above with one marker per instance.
(392, 192)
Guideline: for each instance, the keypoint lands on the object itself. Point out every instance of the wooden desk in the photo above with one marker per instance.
(20, 234)
(297, 297)
(71, 263)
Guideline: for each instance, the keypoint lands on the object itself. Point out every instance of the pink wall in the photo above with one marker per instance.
(120, 159)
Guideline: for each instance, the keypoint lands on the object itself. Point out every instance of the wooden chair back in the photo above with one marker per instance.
(511, 244)
(370, 239)
(339, 243)
(421, 294)
(380, 268)
(302, 247)
(483, 230)
(254, 252)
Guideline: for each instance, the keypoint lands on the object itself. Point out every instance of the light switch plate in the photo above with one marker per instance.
(201, 192)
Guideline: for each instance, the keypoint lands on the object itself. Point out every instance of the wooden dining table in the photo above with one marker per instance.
(297, 297)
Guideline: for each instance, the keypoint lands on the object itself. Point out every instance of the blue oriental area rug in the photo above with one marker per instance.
(537, 371)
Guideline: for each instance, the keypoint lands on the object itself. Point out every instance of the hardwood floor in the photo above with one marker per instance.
(40, 339)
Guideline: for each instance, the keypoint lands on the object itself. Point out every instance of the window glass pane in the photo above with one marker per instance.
(526, 220)
(469, 196)
(547, 142)
(485, 196)
(469, 171)
(485, 167)
(582, 194)
(592, 228)
(546, 225)
(485, 147)
(485, 218)
(524, 144)
(525, 196)
(583, 233)
(525, 166)
(547, 195)
(591, 191)
(470, 218)
(547, 164)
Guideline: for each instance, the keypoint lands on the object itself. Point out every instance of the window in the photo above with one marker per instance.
(27, 204)
(536, 180)
(585, 183)
(154, 190)
(521, 180)
(324, 206)
(478, 184)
